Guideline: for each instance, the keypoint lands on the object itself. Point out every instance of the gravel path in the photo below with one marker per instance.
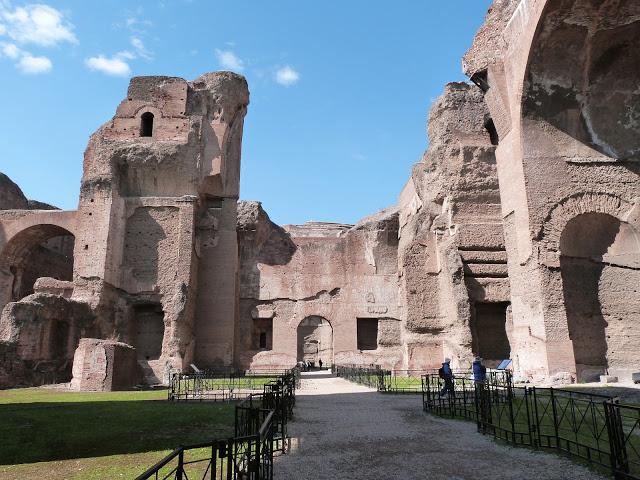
(344, 431)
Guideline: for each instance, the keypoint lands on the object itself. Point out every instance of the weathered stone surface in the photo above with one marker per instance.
(337, 273)
(104, 365)
(11, 197)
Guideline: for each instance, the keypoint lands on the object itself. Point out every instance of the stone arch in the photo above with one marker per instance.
(36, 250)
(570, 207)
(595, 101)
(315, 340)
(599, 259)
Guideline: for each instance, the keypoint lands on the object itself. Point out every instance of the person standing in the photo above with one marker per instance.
(320, 363)
(481, 394)
(446, 374)
(479, 371)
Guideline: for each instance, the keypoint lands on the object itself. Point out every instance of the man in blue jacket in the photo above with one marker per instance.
(446, 374)
(479, 371)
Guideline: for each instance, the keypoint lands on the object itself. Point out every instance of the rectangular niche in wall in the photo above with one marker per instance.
(263, 334)
(489, 333)
(149, 331)
(367, 333)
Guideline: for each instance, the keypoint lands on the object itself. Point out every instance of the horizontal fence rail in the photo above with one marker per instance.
(388, 381)
(221, 385)
(260, 430)
(594, 428)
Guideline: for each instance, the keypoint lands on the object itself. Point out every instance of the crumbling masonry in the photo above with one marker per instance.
(516, 235)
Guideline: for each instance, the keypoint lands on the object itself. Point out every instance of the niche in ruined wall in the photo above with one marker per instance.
(489, 332)
(151, 248)
(600, 282)
(38, 251)
(148, 322)
(594, 98)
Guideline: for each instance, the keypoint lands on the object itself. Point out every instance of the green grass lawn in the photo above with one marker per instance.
(86, 435)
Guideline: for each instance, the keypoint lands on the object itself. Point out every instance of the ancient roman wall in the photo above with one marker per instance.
(156, 216)
(568, 147)
(338, 273)
(451, 252)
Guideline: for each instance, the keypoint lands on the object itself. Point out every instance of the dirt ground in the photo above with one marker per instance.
(345, 431)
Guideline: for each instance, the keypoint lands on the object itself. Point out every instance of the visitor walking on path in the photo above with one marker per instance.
(447, 375)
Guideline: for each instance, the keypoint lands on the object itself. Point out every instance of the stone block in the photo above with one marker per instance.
(608, 379)
(104, 365)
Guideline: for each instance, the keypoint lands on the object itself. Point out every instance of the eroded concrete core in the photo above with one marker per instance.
(516, 235)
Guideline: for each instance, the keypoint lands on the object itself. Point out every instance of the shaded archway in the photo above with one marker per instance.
(315, 341)
(44, 250)
(593, 98)
(600, 281)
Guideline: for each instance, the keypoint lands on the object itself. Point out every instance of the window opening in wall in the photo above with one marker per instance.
(493, 133)
(146, 124)
(263, 334)
(367, 333)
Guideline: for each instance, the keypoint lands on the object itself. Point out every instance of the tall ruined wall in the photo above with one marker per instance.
(451, 247)
(155, 234)
(567, 158)
(338, 273)
(157, 214)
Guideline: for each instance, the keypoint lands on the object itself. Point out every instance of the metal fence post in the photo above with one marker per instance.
(619, 459)
(180, 470)
(555, 418)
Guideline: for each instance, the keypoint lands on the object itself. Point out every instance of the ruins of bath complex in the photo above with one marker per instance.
(516, 235)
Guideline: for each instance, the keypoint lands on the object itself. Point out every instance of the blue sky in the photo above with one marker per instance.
(340, 89)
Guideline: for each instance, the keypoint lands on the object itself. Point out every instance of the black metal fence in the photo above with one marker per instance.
(594, 428)
(388, 381)
(260, 430)
(221, 385)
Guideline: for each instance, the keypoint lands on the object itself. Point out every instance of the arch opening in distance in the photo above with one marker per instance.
(315, 341)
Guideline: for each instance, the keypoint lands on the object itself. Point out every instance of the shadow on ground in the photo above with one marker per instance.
(37, 432)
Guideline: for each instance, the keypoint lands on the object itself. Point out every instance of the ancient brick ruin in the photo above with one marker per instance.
(516, 236)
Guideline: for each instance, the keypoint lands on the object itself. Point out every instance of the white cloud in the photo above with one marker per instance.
(140, 49)
(3, 29)
(116, 65)
(34, 65)
(10, 50)
(229, 60)
(287, 76)
(37, 24)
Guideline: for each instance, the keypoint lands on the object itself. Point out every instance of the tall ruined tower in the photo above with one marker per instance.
(156, 246)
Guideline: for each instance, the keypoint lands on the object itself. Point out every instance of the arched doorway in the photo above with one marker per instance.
(315, 341)
(37, 251)
(600, 279)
